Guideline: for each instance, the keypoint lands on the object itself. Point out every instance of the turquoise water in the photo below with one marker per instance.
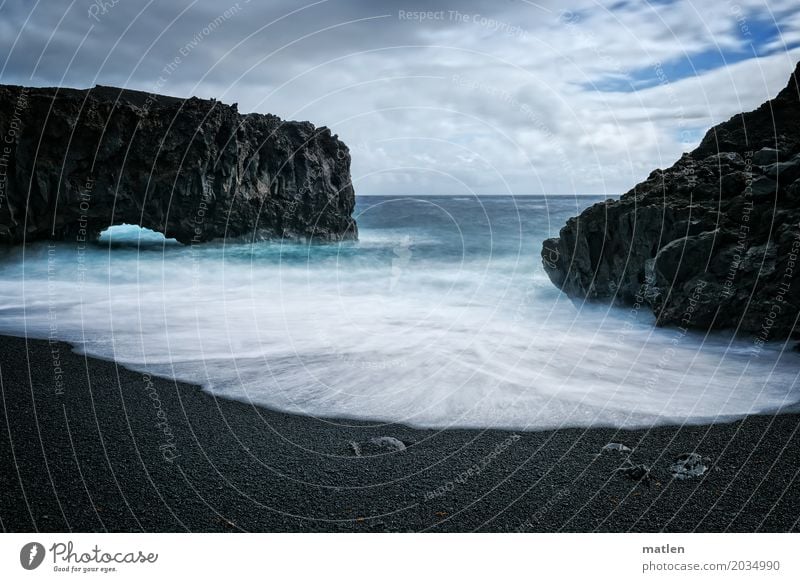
(440, 315)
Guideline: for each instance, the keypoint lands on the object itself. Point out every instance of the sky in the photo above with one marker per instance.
(443, 97)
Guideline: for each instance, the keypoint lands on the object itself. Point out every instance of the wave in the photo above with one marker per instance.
(444, 331)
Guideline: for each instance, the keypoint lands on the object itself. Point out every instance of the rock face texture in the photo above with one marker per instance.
(710, 243)
(73, 162)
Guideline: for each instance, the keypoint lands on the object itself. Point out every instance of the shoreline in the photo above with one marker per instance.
(117, 450)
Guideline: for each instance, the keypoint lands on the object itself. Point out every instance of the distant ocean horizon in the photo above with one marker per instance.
(598, 196)
(440, 315)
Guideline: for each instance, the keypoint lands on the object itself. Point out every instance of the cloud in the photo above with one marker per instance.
(469, 96)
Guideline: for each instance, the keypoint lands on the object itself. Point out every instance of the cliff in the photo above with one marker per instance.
(73, 162)
(710, 243)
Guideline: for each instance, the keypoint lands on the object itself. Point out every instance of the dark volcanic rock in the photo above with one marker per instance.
(74, 162)
(377, 445)
(711, 242)
(635, 472)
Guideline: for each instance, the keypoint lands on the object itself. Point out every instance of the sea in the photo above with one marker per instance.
(439, 316)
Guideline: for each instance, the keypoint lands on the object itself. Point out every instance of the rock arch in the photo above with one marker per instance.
(79, 161)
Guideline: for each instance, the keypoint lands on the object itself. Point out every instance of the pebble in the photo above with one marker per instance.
(689, 466)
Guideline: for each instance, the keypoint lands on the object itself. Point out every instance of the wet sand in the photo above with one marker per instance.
(98, 447)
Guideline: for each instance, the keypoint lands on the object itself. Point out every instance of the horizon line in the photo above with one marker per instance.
(476, 195)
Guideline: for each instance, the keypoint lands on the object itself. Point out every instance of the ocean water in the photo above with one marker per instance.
(439, 316)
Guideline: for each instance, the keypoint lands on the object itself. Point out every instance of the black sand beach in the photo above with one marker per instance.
(95, 454)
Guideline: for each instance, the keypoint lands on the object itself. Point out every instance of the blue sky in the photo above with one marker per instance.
(760, 35)
(505, 97)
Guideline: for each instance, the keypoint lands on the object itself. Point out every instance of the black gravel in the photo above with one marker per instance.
(97, 457)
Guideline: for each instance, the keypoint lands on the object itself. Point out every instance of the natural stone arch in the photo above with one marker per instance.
(194, 170)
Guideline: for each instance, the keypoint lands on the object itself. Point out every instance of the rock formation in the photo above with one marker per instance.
(710, 243)
(74, 162)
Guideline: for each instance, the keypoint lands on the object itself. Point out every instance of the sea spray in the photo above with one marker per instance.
(440, 315)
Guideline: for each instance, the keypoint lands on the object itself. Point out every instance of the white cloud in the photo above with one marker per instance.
(452, 105)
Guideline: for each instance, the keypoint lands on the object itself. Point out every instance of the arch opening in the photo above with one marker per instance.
(133, 235)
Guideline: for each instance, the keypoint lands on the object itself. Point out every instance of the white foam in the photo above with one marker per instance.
(479, 343)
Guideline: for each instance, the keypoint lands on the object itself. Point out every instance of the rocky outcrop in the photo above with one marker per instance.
(74, 162)
(711, 242)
